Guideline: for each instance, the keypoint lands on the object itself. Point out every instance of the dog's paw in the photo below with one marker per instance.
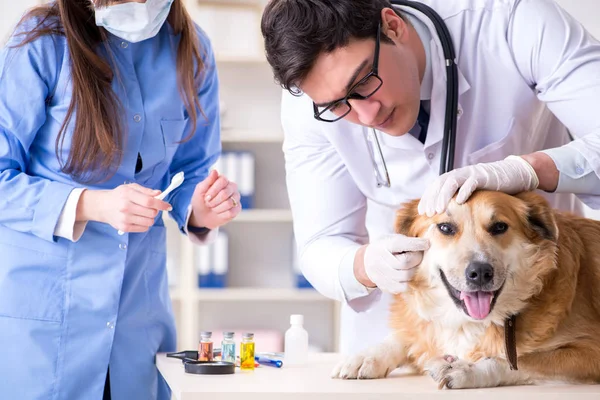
(451, 373)
(367, 365)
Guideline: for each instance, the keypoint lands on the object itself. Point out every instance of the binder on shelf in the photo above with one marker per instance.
(220, 261)
(172, 272)
(300, 279)
(203, 260)
(230, 166)
(246, 183)
(239, 167)
(212, 261)
(218, 165)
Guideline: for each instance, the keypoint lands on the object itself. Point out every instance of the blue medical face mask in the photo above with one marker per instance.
(134, 22)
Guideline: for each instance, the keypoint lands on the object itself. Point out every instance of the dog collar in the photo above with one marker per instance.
(510, 341)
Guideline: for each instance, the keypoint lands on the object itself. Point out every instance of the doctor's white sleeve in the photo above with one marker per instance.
(327, 207)
(560, 60)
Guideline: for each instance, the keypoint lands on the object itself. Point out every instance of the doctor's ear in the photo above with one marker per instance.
(408, 219)
(393, 25)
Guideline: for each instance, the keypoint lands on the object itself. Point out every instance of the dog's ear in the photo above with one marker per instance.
(405, 218)
(539, 216)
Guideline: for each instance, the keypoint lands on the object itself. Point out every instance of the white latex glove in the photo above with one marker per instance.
(391, 261)
(511, 175)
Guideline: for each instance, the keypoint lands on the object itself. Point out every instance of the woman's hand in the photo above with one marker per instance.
(215, 202)
(128, 208)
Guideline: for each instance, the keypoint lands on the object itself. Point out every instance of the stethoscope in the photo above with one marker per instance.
(449, 138)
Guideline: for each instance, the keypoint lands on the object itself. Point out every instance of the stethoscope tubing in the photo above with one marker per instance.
(451, 114)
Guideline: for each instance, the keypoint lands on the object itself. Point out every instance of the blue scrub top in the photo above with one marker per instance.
(69, 310)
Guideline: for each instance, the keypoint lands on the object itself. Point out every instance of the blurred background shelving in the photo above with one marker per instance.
(260, 291)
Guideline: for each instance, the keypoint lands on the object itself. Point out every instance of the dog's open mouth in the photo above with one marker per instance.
(477, 305)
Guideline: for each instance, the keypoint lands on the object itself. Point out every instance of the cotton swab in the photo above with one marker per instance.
(176, 181)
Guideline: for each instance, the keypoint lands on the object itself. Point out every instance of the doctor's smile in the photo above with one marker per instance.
(130, 125)
(387, 122)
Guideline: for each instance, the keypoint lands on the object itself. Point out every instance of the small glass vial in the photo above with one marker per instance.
(228, 347)
(205, 348)
(247, 352)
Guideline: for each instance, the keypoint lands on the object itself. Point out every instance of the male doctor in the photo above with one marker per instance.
(364, 128)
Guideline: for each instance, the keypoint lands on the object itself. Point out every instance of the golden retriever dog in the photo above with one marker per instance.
(497, 265)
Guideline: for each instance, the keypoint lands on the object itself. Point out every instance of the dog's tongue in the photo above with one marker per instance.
(478, 303)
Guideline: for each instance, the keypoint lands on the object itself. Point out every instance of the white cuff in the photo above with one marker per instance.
(67, 227)
(351, 287)
(197, 238)
(576, 175)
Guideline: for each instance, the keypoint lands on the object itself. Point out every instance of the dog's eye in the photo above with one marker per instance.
(498, 228)
(447, 229)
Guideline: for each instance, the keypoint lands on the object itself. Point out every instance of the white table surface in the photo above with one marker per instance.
(314, 383)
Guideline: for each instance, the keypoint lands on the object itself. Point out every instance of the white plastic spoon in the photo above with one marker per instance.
(176, 181)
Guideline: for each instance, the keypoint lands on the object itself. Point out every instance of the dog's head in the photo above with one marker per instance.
(487, 256)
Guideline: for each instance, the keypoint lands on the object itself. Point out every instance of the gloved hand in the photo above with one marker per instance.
(391, 262)
(511, 175)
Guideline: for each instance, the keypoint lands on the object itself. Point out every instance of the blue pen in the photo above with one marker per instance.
(268, 361)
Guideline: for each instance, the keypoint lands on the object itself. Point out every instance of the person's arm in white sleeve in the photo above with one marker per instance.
(561, 62)
(576, 173)
(328, 209)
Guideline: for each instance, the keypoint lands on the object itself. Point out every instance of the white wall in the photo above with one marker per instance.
(10, 13)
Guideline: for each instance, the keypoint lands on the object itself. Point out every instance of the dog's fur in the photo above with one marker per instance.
(547, 269)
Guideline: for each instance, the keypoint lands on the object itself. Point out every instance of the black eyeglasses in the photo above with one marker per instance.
(364, 89)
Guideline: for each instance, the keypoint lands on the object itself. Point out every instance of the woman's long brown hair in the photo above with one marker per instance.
(97, 142)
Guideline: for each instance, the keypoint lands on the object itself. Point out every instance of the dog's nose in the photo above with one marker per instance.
(479, 273)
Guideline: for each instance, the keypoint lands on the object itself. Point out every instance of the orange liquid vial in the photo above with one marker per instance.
(205, 348)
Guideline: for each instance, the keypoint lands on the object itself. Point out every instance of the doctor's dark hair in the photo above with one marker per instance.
(296, 32)
(98, 135)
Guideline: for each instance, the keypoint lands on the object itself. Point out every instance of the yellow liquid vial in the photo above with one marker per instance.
(247, 354)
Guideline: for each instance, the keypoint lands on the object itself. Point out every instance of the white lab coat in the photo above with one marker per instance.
(524, 66)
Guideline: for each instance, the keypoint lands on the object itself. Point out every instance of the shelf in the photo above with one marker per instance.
(254, 4)
(259, 294)
(260, 250)
(257, 215)
(251, 294)
(250, 136)
(232, 59)
(175, 293)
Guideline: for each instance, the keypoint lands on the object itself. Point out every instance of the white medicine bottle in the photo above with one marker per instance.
(296, 342)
